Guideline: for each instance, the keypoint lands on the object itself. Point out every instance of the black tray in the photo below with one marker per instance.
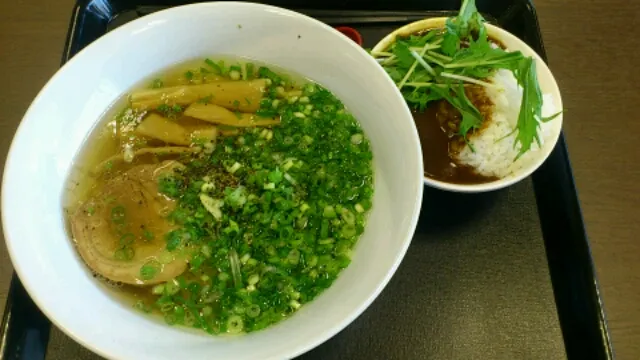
(499, 275)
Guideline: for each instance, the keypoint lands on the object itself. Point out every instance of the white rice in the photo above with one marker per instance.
(496, 158)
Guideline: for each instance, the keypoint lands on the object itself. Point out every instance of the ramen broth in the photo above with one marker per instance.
(221, 194)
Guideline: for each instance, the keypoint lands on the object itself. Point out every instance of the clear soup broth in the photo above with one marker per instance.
(221, 194)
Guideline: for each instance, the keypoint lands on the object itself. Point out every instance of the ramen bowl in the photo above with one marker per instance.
(70, 105)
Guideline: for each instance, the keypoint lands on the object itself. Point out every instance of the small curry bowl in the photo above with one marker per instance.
(548, 86)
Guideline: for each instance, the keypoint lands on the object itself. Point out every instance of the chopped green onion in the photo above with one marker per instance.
(158, 289)
(148, 235)
(266, 217)
(118, 214)
(140, 305)
(329, 212)
(233, 168)
(149, 270)
(235, 268)
(171, 287)
(253, 311)
(235, 324)
(253, 279)
(327, 241)
(294, 304)
(234, 75)
(124, 254)
(293, 257)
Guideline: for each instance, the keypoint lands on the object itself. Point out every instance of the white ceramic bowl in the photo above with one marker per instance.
(68, 107)
(547, 83)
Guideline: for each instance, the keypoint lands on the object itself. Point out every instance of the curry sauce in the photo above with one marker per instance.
(438, 128)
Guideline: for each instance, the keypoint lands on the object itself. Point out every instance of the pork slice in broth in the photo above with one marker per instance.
(121, 228)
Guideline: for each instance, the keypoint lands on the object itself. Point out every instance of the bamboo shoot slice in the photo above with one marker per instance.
(205, 133)
(240, 95)
(160, 128)
(219, 115)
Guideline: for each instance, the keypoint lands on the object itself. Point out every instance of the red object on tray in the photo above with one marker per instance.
(351, 33)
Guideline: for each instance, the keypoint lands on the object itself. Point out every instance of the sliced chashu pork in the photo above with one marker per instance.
(128, 208)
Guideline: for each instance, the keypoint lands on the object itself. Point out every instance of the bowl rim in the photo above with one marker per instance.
(500, 34)
(11, 167)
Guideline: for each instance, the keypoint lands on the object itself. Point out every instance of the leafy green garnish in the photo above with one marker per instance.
(437, 64)
(461, 27)
(403, 54)
(531, 107)
(471, 117)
